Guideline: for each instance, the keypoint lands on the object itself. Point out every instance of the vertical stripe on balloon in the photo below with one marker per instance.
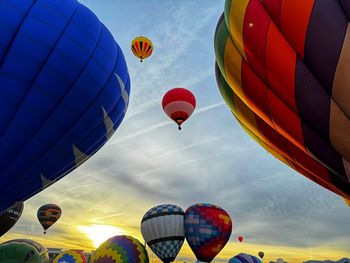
(324, 41)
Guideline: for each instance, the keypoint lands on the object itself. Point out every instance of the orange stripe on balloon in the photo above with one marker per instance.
(280, 64)
(295, 17)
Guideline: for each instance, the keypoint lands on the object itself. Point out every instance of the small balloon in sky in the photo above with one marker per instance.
(48, 215)
(142, 47)
(179, 104)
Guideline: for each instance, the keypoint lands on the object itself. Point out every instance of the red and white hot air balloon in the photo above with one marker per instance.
(179, 104)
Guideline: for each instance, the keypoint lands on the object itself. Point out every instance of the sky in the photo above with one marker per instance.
(149, 162)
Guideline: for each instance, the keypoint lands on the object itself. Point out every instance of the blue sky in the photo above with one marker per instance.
(149, 162)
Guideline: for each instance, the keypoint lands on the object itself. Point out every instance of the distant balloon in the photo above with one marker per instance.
(142, 47)
(244, 258)
(70, 256)
(179, 104)
(64, 91)
(10, 217)
(23, 251)
(240, 238)
(162, 227)
(121, 249)
(48, 215)
(207, 230)
(261, 254)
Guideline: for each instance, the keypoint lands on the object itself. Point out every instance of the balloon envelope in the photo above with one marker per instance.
(287, 83)
(10, 217)
(240, 238)
(162, 228)
(121, 249)
(64, 91)
(207, 230)
(261, 254)
(70, 256)
(48, 215)
(244, 258)
(142, 47)
(23, 250)
(179, 104)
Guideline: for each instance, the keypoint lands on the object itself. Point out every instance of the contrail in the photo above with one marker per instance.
(162, 124)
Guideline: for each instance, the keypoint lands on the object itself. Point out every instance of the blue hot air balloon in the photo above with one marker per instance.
(64, 91)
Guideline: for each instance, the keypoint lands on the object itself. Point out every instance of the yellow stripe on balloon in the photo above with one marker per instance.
(234, 17)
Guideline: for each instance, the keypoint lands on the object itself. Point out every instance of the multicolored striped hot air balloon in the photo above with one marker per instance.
(244, 258)
(179, 104)
(142, 47)
(121, 249)
(64, 91)
(162, 227)
(48, 215)
(283, 69)
(70, 256)
(207, 230)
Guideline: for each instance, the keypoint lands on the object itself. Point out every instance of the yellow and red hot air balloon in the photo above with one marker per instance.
(283, 69)
(142, 47)
(179, 104)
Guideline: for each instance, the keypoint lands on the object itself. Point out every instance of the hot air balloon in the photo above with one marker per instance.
(70, 256)
(121, 249)
(285, 79)
(23, 251)
(142, 47)
(347, 201)
(261, 254)
(10, 217)
(207, 230)
(179, 104)
(48, 215)
(64, 91)
(240, 238)
(162, 227)
(244, 258)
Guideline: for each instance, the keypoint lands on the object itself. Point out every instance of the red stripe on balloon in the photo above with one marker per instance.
(255, 28)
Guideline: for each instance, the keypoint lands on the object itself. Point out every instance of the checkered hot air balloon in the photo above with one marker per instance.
(48, 215)
(207, 230)
(70, 256)
(244, 258)
(179, 104)
(162, 227)
(282, 67)
(121, 249)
